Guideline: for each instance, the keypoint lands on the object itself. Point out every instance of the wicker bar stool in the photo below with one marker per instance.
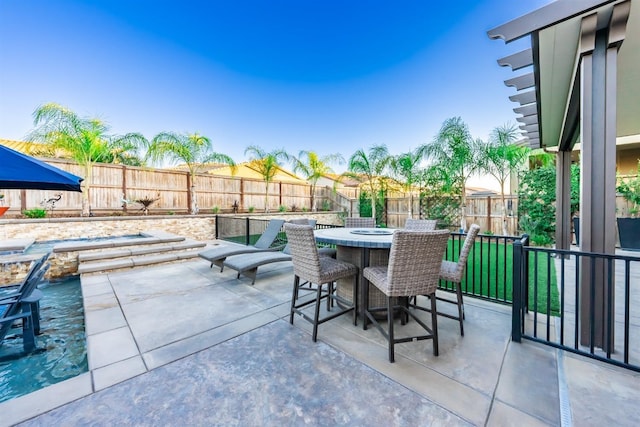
(451, 271)
(309, 266)
(363, 222)
(420, 224)
(406, 277)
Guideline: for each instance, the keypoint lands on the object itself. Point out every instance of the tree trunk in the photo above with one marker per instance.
(504, 211)
(194, 201)
(463, 218)
(86, 203)
(373, 203)
(266, 197)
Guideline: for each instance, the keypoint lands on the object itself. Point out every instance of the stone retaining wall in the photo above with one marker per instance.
(201, 227)
(197, 227)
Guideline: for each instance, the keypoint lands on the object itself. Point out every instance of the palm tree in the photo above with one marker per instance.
(124, 152)
(406, 167)
(501, 159)
(85, 140)
(454, 150)
(193, 149)
(267, 165)
(369, 169)
(313, 167)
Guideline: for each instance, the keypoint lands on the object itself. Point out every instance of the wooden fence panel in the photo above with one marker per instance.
(217, 192)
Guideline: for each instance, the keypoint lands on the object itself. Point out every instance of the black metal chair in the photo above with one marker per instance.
(17, 306)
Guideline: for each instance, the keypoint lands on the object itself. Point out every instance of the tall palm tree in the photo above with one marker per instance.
(501, 159)
(370, 168)
(86, 140)
(267, 165)
(454, 150)
(406, 167)
(313, 167)
(193, 149)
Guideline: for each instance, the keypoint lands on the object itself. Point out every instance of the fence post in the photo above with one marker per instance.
(516, 289)
(246, 234)
(124, 187)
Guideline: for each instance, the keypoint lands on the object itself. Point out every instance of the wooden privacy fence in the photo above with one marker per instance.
(486, 211)
(112, 184)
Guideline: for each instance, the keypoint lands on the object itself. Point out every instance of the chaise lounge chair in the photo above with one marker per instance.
(20, 305)
(248, 264)
(216, 256)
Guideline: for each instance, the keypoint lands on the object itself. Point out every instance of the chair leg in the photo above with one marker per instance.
(330, 293)
(28, 334)
(355, 301)
(365, 302)
(390, 325)
(434, 323)
(294, 297)
(460, 307)
(317, 312)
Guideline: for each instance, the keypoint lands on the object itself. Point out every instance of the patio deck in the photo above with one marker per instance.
(183, 344)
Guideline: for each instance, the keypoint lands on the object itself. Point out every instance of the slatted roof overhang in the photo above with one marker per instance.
(549, 93)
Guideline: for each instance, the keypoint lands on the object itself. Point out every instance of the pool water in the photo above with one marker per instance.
(63, 353)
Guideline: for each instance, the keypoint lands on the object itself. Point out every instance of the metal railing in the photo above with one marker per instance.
(247, 230)
(591, 307)
(489, 267)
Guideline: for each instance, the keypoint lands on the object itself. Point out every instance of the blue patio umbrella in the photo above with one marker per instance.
(19, 171)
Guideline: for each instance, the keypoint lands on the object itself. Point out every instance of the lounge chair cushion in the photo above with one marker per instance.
(223, 251)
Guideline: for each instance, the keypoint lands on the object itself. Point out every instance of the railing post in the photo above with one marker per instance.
(246, 231)
(516, 297)
(525, 272)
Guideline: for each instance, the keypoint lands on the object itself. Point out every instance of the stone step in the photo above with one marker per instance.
(136, 261)
(122, 252)
(146, 239)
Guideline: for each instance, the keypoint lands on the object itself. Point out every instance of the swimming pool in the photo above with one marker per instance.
(63, 340)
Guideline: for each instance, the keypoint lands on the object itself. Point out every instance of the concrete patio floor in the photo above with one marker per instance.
(183, 344)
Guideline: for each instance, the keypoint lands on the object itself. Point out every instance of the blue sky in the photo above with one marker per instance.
(329, 76)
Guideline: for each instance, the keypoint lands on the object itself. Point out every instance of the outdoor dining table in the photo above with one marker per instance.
(362, 247)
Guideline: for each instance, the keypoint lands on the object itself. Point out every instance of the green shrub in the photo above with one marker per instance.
(251, 209)
(326, 205)
(34, 213)
(537, 198)
(630, 189)
(282, 208)
(365, 205)
(215, 209)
